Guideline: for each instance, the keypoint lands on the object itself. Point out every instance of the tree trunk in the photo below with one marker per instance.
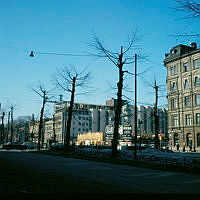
(41, 122)
(118, 108)
(69, 119)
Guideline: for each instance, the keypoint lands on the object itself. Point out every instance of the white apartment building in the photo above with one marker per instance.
(85, 118)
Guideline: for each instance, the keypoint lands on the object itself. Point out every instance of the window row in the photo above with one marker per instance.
(84, 130)
(187, 120)
(173, 70)
(84, 118)
(186, 84)
(186, 101)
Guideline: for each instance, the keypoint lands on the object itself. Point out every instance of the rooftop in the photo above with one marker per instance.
(180, 51)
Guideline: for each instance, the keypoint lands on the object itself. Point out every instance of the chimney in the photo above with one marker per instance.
(61, 97)
(193, 44)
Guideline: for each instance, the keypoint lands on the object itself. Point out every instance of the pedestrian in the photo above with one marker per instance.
(190, 146)
(177, 147)
(184, 148)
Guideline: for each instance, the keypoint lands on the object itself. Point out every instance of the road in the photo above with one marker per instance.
(25, 172)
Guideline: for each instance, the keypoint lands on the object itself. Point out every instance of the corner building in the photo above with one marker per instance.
(183, 85)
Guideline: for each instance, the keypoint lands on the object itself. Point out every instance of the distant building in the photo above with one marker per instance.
(85, 118)
(183, 84)
(33, 130)
(145, 119)
(48, 131)
(21, 131)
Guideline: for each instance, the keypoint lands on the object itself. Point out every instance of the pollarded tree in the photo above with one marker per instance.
(70, 80)
(190, 10)
(190, 7)
(44, 94)
(119, 59)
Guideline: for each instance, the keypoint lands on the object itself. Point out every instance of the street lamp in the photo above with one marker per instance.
(31, 54)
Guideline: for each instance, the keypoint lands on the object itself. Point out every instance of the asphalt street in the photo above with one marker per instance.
(26, 172)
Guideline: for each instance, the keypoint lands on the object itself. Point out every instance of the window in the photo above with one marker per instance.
(173, 70)
(188, 120)
(174, 120)
(173, 86)
(173, 103)
(197, 99)
(187, 101)
(197, 81)
(197, 118)
(189, 139)
(79, 118)
(186, 84)
(196, 63)
(185, 67)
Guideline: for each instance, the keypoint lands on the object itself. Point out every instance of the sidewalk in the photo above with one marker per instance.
(161, 161)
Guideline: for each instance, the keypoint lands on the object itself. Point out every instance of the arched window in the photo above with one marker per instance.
(176, 139)
(198, 139)
(189, 139)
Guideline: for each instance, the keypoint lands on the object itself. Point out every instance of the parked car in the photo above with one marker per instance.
(12, 145)
(29, 145)
(56, 146)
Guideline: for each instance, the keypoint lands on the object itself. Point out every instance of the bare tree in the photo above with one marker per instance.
(69, 80)
(190, 7)
(11, 106)
(119, 59)
(42, 92)
(191, 10)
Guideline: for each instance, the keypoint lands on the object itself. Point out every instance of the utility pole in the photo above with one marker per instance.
(135, 113)
(2, 128)
(12, 128)
(156, 117)
(118, 106)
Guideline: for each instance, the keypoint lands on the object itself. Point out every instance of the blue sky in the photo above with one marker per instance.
(64, 26)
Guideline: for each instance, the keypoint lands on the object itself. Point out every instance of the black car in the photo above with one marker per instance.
(12, 145)
(29, 145)
(56, 146)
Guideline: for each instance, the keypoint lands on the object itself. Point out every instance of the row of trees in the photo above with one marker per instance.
(6, 133)
(69, 80)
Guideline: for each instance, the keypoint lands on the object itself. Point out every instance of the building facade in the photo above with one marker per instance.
(183, 84)
(145, 119)
(85, 118)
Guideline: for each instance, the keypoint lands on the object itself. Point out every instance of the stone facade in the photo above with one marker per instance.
(183, 84)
